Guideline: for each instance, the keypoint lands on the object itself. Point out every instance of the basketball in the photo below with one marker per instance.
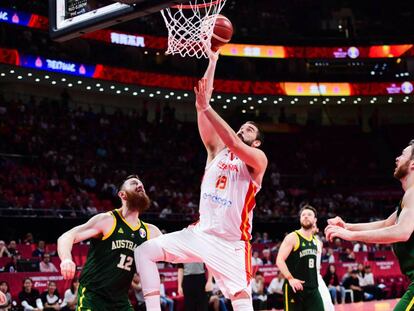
(222, 33)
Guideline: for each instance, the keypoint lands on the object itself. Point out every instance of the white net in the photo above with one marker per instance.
(190, 27)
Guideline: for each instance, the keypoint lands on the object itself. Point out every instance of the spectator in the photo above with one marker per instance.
(165, 301)
(327, 255)
(40, 250)
(331, 280)
(139, 295)
(217, 301)
(348, 256)
(50, 297)
(12, 265)
(28, 239)
(29, 297)
(4, 287)
(366, 281)
(352, 282)
(267, 257)
(275, 292)
(258, 292)
(266, 238)
(12, 248)
(46, 265)
(360, 247)
(70, 298)
(4, 252)
(256, 261)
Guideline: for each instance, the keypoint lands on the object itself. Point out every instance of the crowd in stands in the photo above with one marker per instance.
(70, 159)
(289, 20)
(348, 278)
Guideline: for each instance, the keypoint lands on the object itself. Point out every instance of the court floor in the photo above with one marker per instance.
(382, 305)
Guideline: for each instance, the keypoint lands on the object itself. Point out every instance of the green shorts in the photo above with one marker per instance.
(406, 302)
(306, 300)
(91, 301)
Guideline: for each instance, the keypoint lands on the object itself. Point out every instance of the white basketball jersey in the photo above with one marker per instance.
(227, 198)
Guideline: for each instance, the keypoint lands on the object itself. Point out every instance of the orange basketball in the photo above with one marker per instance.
(223, 31)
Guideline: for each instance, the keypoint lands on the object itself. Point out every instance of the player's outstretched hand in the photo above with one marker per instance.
(212, 55)
(333, 232)
(337, 221)
(68, 269)
(201, 93)
(296, 284)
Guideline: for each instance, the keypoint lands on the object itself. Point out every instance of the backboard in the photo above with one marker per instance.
(72, 18)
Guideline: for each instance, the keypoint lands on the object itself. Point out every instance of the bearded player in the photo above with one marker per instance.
(397, 228)
(297, 261)
(109, 268)
(233, 175)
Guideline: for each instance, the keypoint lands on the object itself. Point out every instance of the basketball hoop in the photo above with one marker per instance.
(190, 27)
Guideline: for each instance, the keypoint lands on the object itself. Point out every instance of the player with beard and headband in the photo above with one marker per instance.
(232, 177)
(397, 228)
(109, 268)
(297, 261)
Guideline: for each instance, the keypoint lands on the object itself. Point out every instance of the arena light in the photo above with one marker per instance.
(142, 91)
(323, 102)
(179, 98)
(19, 77)
(53, 82)
(47, 77)
(251, 107)
(70, 85)
(355, 102)
(280, 99)
(146, 52)
(218, 96)
(249, 98)
(315, 99)
(234, 97)
(151, 95)
(3, 74)
(101, 89)
(158, 92)
(292, 102)
(98, 85)
(327, 99)
(112, 87)
(244, 101)
(212, 100)
(29, 74)
(359, 99)
(12, 71)
(88, 87)
(63, 79)
(275, 102)
(259, 101)
(296, 99)
(265, 98)
(167, 96)
(243, 111)
(172, 93)
(37, 80)
(126, 89)
(186, 95)
(80, 82)
(343, 99)
(311, 102)
(118, 91)
(228, 100)
(225, 107)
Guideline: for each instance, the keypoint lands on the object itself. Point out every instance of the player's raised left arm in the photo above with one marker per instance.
(253, 157)
(398, 232)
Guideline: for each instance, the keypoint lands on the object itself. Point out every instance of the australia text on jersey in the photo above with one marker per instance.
(308, 252)
(124, 244)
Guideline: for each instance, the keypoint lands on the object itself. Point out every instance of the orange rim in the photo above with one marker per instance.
(197, 6)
